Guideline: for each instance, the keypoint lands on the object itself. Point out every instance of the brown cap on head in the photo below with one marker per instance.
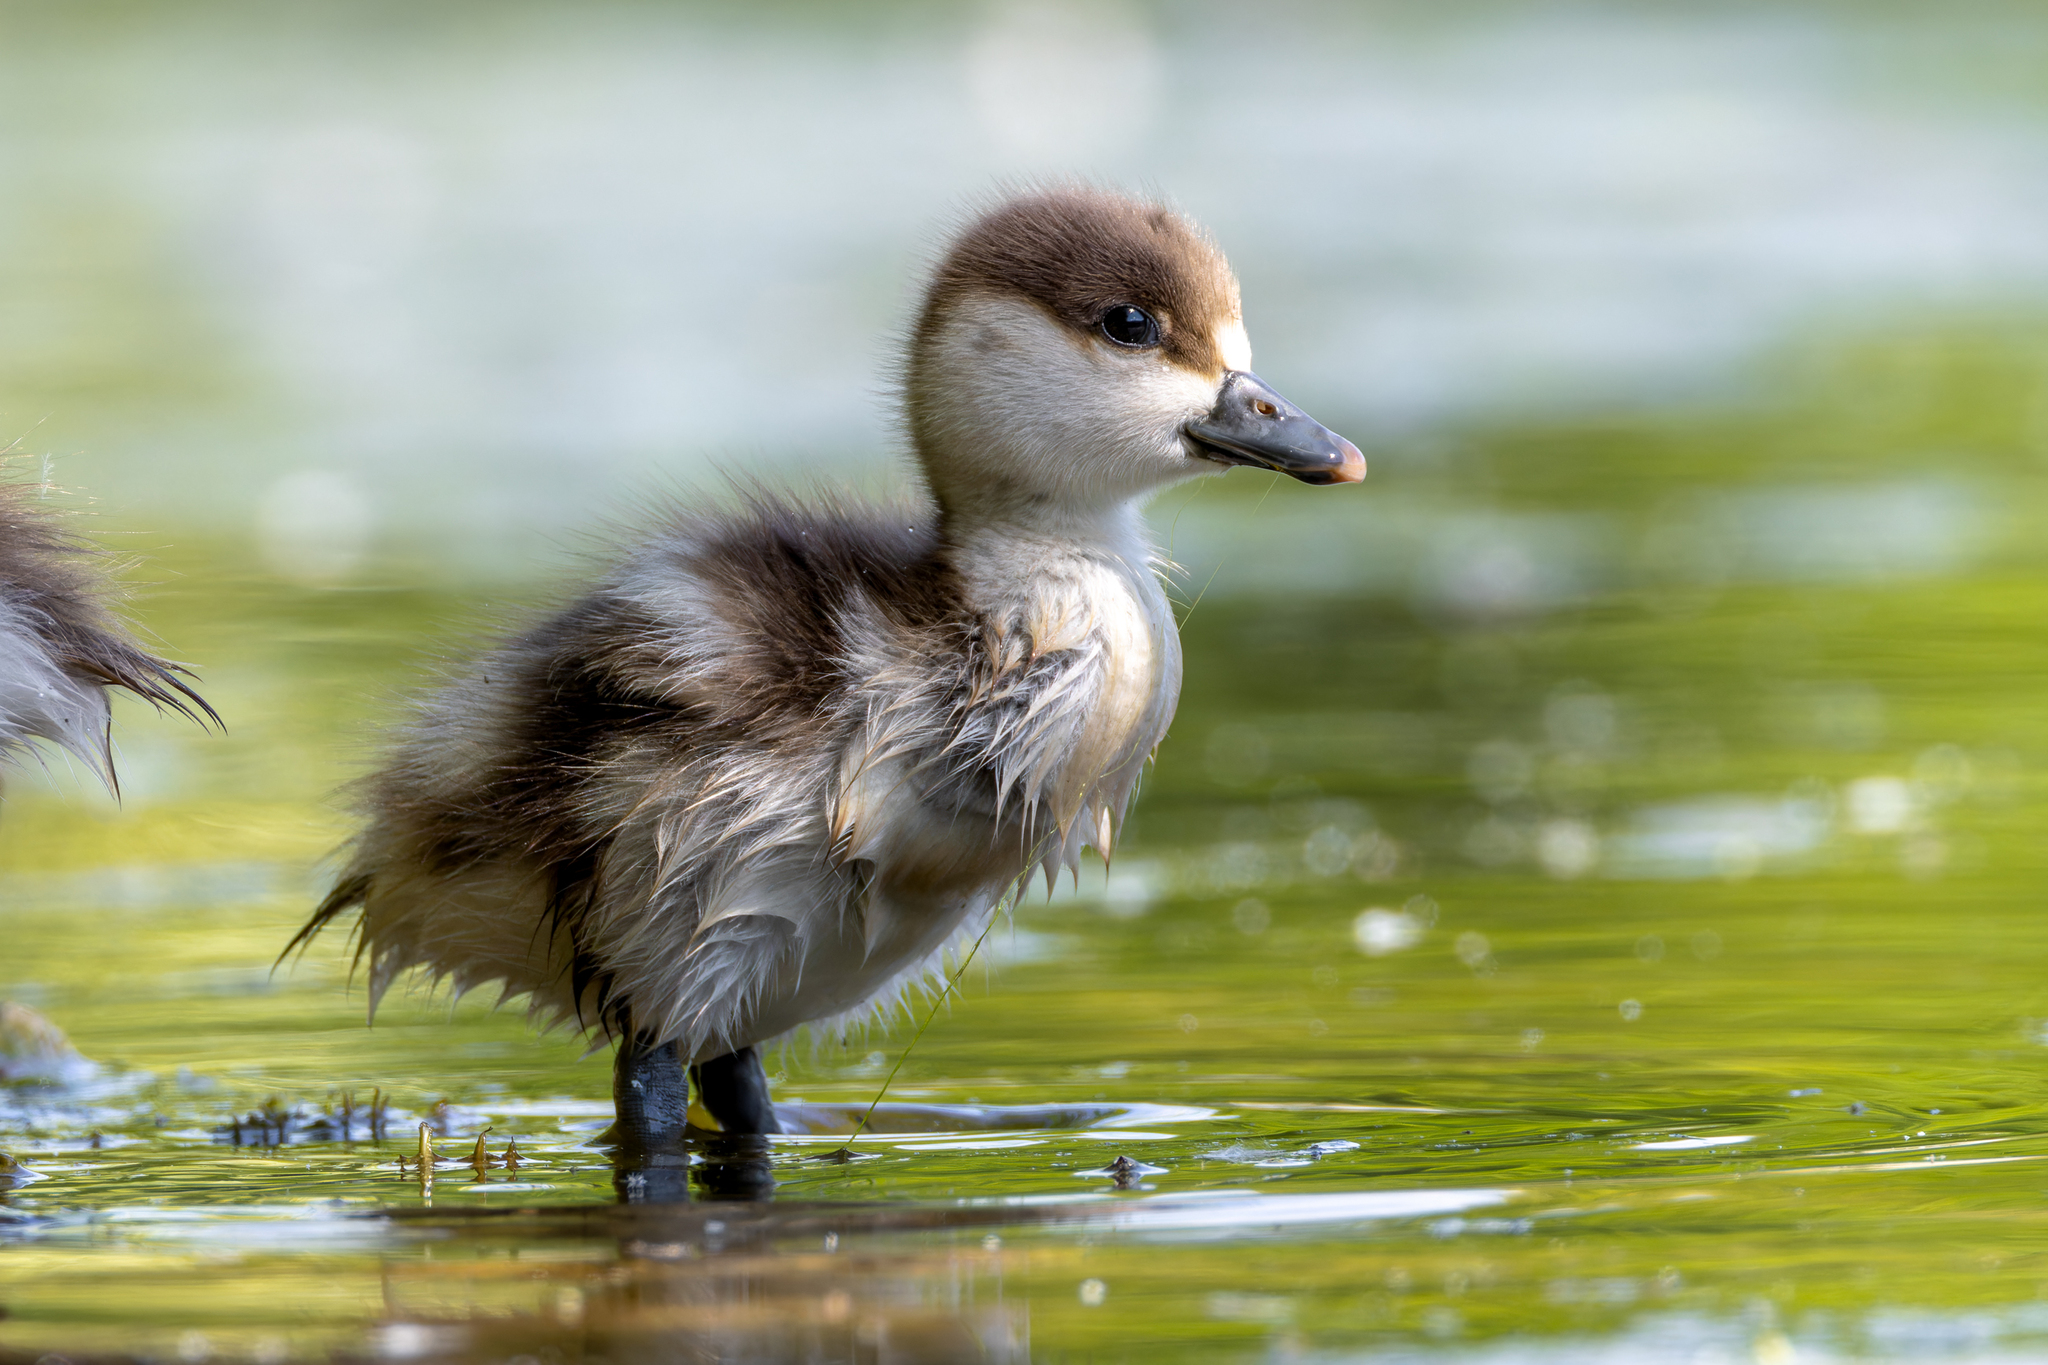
(1076, 252)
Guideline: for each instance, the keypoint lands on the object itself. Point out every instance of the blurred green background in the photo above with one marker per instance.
(1637, 779)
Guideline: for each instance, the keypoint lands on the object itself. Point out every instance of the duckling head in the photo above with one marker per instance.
(1078, 349)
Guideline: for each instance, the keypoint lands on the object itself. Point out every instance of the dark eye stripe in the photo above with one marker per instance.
(1129, 325)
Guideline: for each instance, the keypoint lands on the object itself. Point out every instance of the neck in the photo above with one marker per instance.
(1000, 550)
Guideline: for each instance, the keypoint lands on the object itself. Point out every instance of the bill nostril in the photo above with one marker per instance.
(1264, 409)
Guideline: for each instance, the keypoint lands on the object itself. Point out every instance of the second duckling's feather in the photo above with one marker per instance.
(60, 647)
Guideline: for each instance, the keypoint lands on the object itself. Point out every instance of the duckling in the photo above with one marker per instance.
(782, 757)
(61, 650)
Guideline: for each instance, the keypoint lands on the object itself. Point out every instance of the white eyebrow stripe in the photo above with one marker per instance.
(1234, 345)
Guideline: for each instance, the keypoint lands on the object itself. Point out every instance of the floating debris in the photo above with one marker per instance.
(1123, 1172)
(511, 1158)
(276, 1124)
(345, 1120)
(839, 1156)
(480, 1159)
(270, 1125)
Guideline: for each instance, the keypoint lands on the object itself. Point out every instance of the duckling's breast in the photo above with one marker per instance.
(950, 805)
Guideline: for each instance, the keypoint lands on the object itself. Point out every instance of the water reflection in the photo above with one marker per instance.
(712, 1169)
(823, 1282)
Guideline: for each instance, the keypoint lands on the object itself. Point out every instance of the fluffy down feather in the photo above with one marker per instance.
(60, 648)
(763, 775)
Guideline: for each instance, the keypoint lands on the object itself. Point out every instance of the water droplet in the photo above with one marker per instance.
(1251, 917)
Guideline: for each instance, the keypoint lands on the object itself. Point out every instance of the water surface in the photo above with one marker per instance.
(1649, 968)
(1587, 909)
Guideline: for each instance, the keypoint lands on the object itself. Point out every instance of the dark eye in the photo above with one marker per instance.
(1128, 325)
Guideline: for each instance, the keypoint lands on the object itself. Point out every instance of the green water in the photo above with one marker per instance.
(1654, 974)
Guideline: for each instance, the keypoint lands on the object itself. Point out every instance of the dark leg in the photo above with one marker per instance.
(651, 1092)
(734, 1090)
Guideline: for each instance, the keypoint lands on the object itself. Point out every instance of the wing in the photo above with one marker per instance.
(621, 813)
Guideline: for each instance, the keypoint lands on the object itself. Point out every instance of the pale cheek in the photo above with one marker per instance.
(1175, 397)
(1234, 346)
